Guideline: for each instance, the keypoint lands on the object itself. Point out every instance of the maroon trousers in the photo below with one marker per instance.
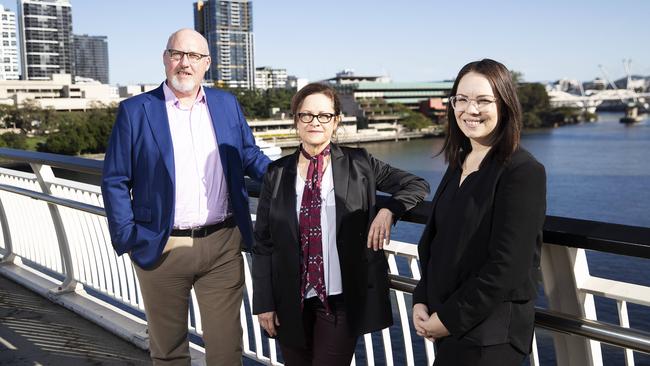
(327, 336)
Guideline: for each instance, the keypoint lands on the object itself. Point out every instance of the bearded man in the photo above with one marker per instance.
(175, 199)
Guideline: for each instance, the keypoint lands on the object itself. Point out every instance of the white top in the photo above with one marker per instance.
(331, 264)
(201, 191)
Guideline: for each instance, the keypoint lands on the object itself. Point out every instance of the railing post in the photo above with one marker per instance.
(563, 271)
(8, 255)
(44, 176)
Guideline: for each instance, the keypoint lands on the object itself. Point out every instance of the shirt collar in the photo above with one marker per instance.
(171, 99)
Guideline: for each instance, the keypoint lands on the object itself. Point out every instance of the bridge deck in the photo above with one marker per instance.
(35, 331)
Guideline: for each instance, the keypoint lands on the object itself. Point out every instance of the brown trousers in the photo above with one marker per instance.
(214, 266)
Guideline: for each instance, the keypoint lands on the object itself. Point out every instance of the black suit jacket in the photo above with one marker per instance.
(499, 253)
(276, 252)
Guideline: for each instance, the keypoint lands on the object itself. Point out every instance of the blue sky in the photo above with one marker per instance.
(410, 40)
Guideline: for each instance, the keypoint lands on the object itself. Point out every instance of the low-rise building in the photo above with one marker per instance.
(58, 93)
(269, 78)
(127, 91)
(369, 98)
(284, 127)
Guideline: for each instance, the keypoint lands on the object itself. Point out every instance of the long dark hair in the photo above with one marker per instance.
(505, 138)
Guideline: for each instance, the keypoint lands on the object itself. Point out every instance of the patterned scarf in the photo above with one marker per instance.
(311, 243)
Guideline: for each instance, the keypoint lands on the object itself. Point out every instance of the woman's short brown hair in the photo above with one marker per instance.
(314, 88)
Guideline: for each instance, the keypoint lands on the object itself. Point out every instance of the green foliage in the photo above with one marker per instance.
(532, 120)
(517, 77)
(257, 104)
(537, 110)
(416, 121)
(411, 120)
(533, 97)
(71, 139)
(13, 140)
(81, 132)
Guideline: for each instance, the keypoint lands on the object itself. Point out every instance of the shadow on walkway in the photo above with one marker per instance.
(35, 331)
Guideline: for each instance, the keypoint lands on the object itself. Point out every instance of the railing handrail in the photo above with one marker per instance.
(612, 238)
(571, 232)
(72, 163)
(615, 335)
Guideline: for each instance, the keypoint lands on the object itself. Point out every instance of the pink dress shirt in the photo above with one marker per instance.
(201, 189)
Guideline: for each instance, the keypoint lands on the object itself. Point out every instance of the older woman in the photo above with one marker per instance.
(480, 249)
(319, 271)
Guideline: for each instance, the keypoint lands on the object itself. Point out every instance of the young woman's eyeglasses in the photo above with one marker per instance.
(321, 117)
(177, 55)
(461, 102)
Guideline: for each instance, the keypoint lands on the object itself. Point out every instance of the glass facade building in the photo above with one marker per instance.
(228, 27)
(91, 57)
(8, 45)
(46, 38)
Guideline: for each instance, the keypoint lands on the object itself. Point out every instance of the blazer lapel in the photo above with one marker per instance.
(286, 196)
(158, 120)
(340, 172)
(218, 114)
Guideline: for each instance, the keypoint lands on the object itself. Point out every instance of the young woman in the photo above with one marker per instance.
(319, 271)
(479, 252)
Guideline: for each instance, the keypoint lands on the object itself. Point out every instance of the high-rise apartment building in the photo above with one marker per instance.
(91, 57)
(46, 38)
(228, 27)
(270, 78)
(8, 45)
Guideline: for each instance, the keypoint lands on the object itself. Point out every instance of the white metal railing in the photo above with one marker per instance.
(94, 267)
(63, 251)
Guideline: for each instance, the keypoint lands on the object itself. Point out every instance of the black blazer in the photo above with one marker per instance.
(276, 252)
(500, 250)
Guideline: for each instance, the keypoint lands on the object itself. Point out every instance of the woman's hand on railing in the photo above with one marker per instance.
(269, 321)
(379, 233)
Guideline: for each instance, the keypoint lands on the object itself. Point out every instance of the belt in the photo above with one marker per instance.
(203, 231)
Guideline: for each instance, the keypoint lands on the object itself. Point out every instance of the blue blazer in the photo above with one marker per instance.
(138, 184)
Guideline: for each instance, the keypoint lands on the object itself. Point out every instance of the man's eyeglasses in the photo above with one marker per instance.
(461, 102)
(321, 117)
(177, 55)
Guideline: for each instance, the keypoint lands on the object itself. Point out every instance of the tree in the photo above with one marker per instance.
(28, 113)
(81, 132)
(411, 120)
(14, 140)
(533, 97)
(257, 104)
(73, 138)
(517, 77)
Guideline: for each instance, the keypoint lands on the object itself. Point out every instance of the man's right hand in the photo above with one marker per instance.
(269, 321)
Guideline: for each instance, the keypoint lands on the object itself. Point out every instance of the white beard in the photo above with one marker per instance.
(182, 86)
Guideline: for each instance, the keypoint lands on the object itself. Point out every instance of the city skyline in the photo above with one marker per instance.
(425, 41)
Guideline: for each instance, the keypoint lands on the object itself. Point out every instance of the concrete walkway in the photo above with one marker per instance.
(35, 331)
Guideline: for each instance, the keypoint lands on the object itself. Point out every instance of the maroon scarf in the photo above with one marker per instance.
(311, 241)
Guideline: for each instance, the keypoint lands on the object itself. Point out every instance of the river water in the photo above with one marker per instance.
(596, 171)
